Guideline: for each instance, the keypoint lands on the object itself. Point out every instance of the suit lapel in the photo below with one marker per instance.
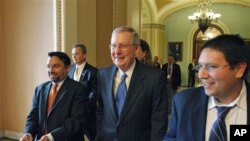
(83, 74)
(109, 91)
(248, 102)
(72, 70)
(199, 118)
(62, 91)
(134, 90)
(45, 99)
(59, 96)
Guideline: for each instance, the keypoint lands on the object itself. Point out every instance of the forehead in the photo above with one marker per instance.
(54, 60)
(170, 57)
(209, 55)
(76, 49)
(121, 37)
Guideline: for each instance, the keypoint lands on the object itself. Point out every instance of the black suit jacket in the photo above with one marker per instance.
(144, 116)
(89, 80)
(67, 115)
(189, 115)
(176, 75)
(191, 70)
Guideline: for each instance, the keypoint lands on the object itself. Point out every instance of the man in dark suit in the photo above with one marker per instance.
(191, 73)
(66, 117)
(223, 67)
(143, 116)
(172, 72)
(86, 74)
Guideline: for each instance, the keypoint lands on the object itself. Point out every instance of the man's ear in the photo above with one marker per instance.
(240, 68)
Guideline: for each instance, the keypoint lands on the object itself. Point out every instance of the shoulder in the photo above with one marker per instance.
(44, 84)
(106, 69)
(175, 64)
(164, 65)
(148, 73)
(191, 95)
(89, 66)
(72, 66)
(106, 72)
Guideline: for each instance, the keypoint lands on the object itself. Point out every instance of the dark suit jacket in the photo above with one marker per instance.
(67, 115)
(191, 70)
(89, 80)
(176, 75)
(189, 115)
(144, 116)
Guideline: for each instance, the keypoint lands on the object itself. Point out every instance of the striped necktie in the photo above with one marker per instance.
(219, 130)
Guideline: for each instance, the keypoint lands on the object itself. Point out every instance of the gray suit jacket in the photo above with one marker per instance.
(144, 116)
(67, 115)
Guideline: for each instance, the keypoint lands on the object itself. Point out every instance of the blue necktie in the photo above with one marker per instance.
(219, 131)
(121, 94)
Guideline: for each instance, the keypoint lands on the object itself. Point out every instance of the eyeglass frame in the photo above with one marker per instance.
(210, 67)
(120, 46)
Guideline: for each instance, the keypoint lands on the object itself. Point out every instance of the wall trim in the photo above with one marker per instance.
(11, 134)
(1, 134)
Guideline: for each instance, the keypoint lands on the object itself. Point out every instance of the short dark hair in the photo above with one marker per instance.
(82, 47)
(144, 45)
(62, 56)
(233, 47)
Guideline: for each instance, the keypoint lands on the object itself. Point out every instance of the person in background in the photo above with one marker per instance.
(156, 63)
(59, 106)
(132, 97)
(222, 68)
(86, 74)
(191, 73)
(143, 53)
(172, 73)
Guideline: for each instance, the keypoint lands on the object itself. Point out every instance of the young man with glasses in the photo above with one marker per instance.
(222, 69)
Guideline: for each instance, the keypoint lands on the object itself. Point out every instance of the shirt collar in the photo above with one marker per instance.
(81, 66)
(128, 72)
(240, 101)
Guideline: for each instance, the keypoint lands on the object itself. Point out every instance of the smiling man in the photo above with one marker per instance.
(65, 116)
(223, 66)
(132, 97)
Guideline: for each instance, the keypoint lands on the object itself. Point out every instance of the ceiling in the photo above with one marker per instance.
(154, 11)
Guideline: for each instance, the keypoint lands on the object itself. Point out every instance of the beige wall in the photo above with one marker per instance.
(86, 27)
(104, 26)
(26, 38)
(1, 64)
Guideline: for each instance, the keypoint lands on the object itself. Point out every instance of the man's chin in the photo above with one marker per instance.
(54, 80)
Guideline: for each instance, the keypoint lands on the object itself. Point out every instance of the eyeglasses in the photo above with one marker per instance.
(56, 66)
(209, 67)
(120, 46)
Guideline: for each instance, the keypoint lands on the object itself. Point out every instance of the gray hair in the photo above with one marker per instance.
(135, 36)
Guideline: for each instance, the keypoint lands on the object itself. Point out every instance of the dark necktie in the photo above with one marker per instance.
(121, 94)
(169, 69)
(219, 131)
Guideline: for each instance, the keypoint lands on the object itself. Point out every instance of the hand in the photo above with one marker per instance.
(44, 138)
(26, 137)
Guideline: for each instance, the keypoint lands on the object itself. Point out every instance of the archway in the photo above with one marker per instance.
(200, 38)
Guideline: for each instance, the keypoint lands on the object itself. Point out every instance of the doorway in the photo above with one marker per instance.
(200, 38)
